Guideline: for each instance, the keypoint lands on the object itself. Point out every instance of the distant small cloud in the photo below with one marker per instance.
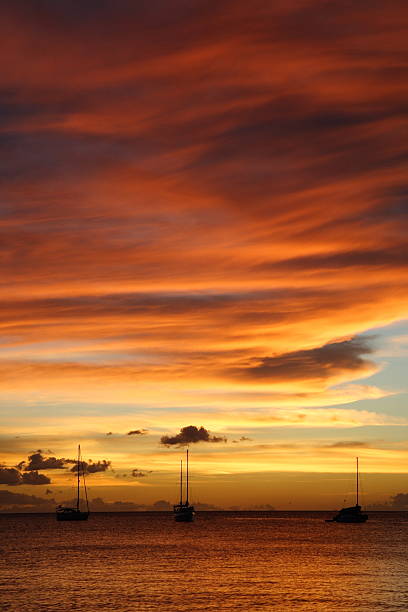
(109, 433)
(190, 435)
(242, 439)
(140, 473)
(137, 432)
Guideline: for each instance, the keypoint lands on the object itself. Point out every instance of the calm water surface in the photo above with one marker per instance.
(223, 561)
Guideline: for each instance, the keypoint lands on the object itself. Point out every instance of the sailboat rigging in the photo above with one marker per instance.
(352, 514)
(183, 512)
(64, 513)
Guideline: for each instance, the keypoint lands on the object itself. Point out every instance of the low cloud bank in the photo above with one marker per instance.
(397, 502)
(21, 503)
(400, 501)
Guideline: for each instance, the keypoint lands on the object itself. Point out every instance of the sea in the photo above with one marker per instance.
(223, 561)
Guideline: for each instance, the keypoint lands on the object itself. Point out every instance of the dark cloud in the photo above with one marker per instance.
(13, 477)
(34, 478)
(92, 467)
(99, 466)
(314, 364)
(136, 473)
(242, 439)
(37, 461)
(109, 433)
(190, 435)
(137, 432)
(10, 476)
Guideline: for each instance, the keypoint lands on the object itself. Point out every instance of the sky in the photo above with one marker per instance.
(204, 242)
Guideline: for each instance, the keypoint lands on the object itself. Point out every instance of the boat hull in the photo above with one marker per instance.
(72, 516)
(350, 515)
(184, 518)
(350, 519)
(183, 513)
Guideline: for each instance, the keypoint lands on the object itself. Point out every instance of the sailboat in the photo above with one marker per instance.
(352, 514)
(64, 513)
(183, 512)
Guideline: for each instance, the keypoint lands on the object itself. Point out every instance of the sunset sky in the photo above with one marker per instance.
(204, 223)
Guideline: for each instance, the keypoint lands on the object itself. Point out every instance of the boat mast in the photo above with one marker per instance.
(86, 492)
(181, 482)
(357, 481)
(187, 481)
(79, 456)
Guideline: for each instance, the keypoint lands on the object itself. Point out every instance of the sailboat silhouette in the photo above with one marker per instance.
(64, 513)
(183, 512)
(352, 514)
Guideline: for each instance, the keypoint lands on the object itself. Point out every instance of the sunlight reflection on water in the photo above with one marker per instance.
(223, 561)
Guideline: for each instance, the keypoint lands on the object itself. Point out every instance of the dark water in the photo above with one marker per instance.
(223, 561)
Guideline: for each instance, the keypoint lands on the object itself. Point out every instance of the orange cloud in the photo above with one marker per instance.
(204, 210)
